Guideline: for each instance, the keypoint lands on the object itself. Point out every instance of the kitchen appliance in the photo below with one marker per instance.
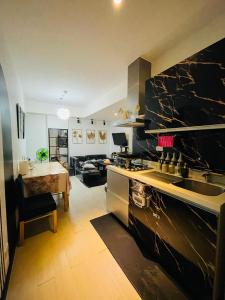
(130, 162)
(117, 196)
(138, 72)
(133, 167)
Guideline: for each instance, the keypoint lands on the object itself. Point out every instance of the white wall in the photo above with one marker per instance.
(3, 206)
(84, 148)
(187, 45)
(36, 134)
(15, 95)
(40, 107)
(55, 122)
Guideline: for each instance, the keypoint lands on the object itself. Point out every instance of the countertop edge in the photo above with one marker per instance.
(204, 202)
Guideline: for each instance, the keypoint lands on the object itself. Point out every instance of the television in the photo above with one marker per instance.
(120, 139)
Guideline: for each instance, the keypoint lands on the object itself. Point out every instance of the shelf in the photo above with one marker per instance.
(183, 129)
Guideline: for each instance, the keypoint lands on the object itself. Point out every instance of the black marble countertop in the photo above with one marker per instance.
(209, 203)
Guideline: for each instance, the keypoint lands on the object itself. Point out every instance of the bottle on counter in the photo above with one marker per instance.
(165, 167)
(174, 160)
(180, 159)
(179, 165)
(184, 171)
(171, 168)
(167, 158)
(162, 158)
(159, 165)
(160, 162)
(172, 164)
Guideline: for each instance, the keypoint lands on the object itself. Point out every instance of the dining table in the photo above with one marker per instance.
(47, 177)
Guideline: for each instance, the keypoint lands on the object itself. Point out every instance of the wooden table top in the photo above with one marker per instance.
(44, 169)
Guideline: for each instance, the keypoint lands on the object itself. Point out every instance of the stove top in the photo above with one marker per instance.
(135, 167)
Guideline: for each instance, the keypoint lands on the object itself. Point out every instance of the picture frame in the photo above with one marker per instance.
(21, 117)
(77, 136)
(90, 136)
(102, 136)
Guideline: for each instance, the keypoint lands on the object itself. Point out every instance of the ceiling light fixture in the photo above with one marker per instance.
(117, 2)
(63, 113)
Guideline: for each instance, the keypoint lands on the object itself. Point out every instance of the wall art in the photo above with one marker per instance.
(90, 136)
(102, 136)
(77, 136)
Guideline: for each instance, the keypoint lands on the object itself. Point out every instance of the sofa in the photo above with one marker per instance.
(89, 169)
(76, 162)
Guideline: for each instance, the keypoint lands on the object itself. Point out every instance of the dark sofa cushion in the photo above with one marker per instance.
(96, 156)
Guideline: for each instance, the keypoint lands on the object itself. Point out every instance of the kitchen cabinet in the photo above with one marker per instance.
(181, 237)
(117, 195)
(190, 93)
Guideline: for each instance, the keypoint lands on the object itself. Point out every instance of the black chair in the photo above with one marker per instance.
(34, 208)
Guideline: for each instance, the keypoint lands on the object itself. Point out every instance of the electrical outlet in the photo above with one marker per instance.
(159, 148)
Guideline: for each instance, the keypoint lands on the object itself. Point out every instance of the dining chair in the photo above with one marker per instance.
(34, 208)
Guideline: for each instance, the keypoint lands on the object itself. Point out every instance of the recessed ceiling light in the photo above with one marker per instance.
(117, 2)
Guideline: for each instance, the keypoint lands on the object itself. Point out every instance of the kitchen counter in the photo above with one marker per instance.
(209, 203)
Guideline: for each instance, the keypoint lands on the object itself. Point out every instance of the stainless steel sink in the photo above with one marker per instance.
(200, 187)
(162, 177)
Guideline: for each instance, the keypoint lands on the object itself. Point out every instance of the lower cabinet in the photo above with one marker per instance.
(117, 195)
(186, 244)
(182, 237)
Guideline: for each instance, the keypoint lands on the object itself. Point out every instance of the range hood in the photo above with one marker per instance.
(138, 72)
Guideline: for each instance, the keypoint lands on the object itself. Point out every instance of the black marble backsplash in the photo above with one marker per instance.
(187, 94)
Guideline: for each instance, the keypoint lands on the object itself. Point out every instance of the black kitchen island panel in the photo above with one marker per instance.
(181, 237)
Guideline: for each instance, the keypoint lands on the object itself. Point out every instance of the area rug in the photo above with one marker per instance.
(147, 277)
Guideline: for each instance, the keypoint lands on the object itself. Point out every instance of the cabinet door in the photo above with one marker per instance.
(117, 206)
(186, 244)
(141, 216)
(118, 184)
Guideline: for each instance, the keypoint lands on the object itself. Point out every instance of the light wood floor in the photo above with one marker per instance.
(74, 263)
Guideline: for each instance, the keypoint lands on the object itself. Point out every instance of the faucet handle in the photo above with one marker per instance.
(206, 175)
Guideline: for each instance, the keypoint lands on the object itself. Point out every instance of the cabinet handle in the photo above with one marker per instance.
(138, 204)
(156, 216)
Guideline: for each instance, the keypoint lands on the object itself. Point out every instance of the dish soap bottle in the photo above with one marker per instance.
(184, 171)
(179, 165)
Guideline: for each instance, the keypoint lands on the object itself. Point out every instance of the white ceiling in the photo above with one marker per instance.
(85, 46)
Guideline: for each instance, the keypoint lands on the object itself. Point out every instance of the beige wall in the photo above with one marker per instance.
(18, 146)
(3, 207)
(15, 95)
(186, 46)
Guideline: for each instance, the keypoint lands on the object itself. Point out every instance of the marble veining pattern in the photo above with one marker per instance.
(183, 238)
(191, 93)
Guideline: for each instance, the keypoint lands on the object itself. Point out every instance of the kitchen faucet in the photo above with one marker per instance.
(206, 175)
